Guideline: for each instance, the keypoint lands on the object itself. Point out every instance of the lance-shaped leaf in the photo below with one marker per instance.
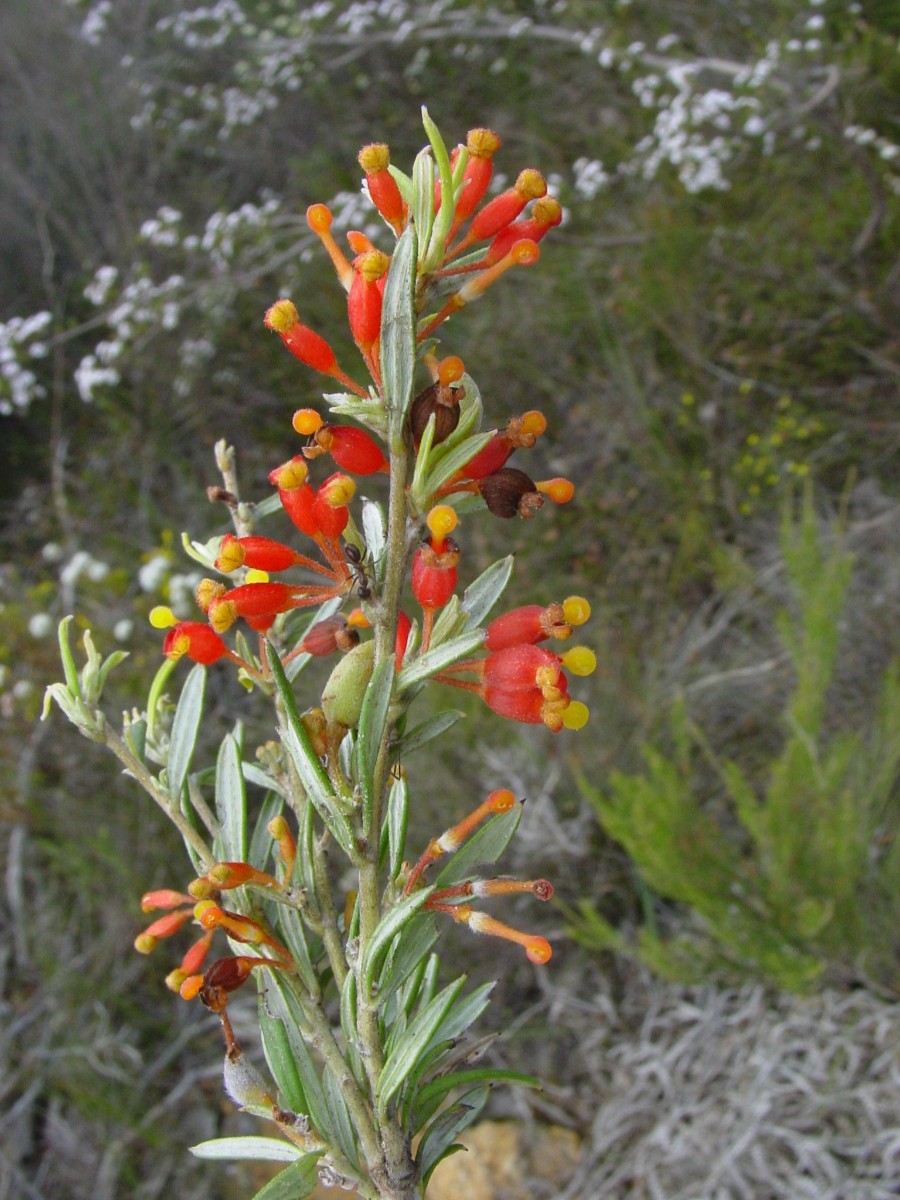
(444, 470)
(422, 205)
(397, 820)
(431, 1095)
(312, 774)
(444, 219)
(261, 842)
(230, 843)
(185, 727)
(398, 331)
(407, 955)
(281, 1061)
(372, 721)
(438, 1141)
(375, 532)
(423, 733)
(483, 593)
(340, 1117)
(435, 660)
(281, 1005)
(263, 1149)
(404, 1058)
(293, 1183)
(385, 932)
(485, 846)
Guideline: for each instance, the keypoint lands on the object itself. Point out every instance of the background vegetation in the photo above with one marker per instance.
(712, 331)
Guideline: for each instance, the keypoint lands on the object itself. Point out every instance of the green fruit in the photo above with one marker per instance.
(345, 690)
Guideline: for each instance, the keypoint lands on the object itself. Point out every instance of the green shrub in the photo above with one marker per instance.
(797, 877)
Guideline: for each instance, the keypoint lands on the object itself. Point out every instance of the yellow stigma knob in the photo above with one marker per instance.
(306, 421)
(319, 218)
(254, 575)
(534, 422)
(580, 660)
(441, 521)
(162, 617)
(576, 715)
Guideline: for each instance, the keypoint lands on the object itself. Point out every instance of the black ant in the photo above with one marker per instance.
(353, 556)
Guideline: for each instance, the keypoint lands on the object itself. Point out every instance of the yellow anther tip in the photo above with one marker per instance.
(576, 610)
(580, 660)
(576, 715)
(282, 316)
(162, 617)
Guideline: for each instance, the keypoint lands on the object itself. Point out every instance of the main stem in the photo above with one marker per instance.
(395, 1176)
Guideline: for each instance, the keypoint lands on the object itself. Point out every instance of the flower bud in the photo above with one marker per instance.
(196, 640)
(374, 160)
(345, 690)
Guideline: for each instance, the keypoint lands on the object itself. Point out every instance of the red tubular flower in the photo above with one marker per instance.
(520, 433)
(503, 209)
(196, 640)
(164, 898)
(296, 495)
(329, 509)
(304, 343)
(482, 145)
(260, 553)
(352, 448)
(374, 160)
(516, 668)
(546, 215)
(364, 302)
(162, 927)
(328, 636)
(259, 604)
(434, 575)
(527, 625)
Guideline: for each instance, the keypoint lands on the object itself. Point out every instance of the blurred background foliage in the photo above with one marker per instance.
(712, 329)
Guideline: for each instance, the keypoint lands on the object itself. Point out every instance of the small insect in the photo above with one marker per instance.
(353, 556)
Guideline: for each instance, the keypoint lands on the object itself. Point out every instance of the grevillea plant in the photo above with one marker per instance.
(361, 1038)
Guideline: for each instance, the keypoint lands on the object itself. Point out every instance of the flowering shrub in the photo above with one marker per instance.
(360, 1041)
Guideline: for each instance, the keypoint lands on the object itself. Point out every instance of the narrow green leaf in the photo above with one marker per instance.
(230, 843)
(438, 1141)
(402, 1060)
(398, 331)
(387, 929)
(453, 462)
(185, 727)
(409, 951)
(263, 1149)
(403, 182)
(485, 846)
(447, 212)
(422, 206)
(261, 841)
(372, 721)
(427, 730)
(293, 934)
(280, 1059)
(417, 483)
(312, 774)
(397, 819)
(483, 593)
(450, 624)
(281, 1004)
(431, 1095)
(435, 660)
(68, 661)
(375, 532)
(463, 1013)
(295, 1182)
(340, 1117)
